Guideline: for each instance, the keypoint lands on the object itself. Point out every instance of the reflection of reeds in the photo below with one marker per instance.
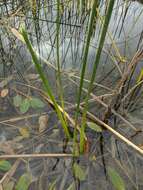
(140, 1)
(70, 28)
(89, 13)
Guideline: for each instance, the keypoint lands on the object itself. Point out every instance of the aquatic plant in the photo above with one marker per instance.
(93, 108)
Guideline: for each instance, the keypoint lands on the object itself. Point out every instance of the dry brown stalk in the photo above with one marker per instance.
(118, 88)
(46, 155)
(100, 101)
(132, 90)
(14, 119)
(114, 132)
(137, 57)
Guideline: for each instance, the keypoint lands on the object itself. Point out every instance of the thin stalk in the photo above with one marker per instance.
(82, 5)
(45, 81)
(48, 155)
(78, 6)
(117, 51)
(84, 63)
(96, 63)
(60, 88)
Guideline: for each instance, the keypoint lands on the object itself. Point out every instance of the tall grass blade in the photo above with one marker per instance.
(59, 80)
(96, 63)
(116, 179)
(84, 61)
(45, 81)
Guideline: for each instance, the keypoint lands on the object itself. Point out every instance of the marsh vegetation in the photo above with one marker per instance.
(71, 107)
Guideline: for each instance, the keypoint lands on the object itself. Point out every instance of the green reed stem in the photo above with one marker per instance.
(84, 62)
(60, 87)
(45, 81)
(96, 63)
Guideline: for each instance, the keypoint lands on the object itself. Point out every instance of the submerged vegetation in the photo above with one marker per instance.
(71, 94)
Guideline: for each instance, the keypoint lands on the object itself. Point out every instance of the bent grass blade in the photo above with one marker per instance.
(45, 82)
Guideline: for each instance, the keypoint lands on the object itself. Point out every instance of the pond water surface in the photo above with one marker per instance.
(18, 75)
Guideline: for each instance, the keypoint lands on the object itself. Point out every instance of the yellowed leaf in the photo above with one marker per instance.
(17, 34)
(92, 158)
(24, 132)
(140, 76)
(18, 138)
(43, 123)
(32, 76)
(4, 92)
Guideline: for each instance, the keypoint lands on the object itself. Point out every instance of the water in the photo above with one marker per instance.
(125, 34)
(103, 153)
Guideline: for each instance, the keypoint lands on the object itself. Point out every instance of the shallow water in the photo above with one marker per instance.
(104, 150)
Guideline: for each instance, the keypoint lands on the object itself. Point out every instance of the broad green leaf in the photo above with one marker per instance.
(116, 180)
(5, 165)
(9, 186)
(36, 103)
(79, 172)
(24, 182)
(24, 106)
(94, 127)
(17, 100)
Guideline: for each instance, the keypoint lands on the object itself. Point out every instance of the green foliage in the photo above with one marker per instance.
(45, 81)
(94, 127)
(96, 63)
(9, 186)
(17, 100)
(5, 165)
(25, 103)
(36, 103)
(59, 79)
(72, 186)
(24, 182)
(116, 180)
(52, 185)
(84, 62)
(79, 172)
